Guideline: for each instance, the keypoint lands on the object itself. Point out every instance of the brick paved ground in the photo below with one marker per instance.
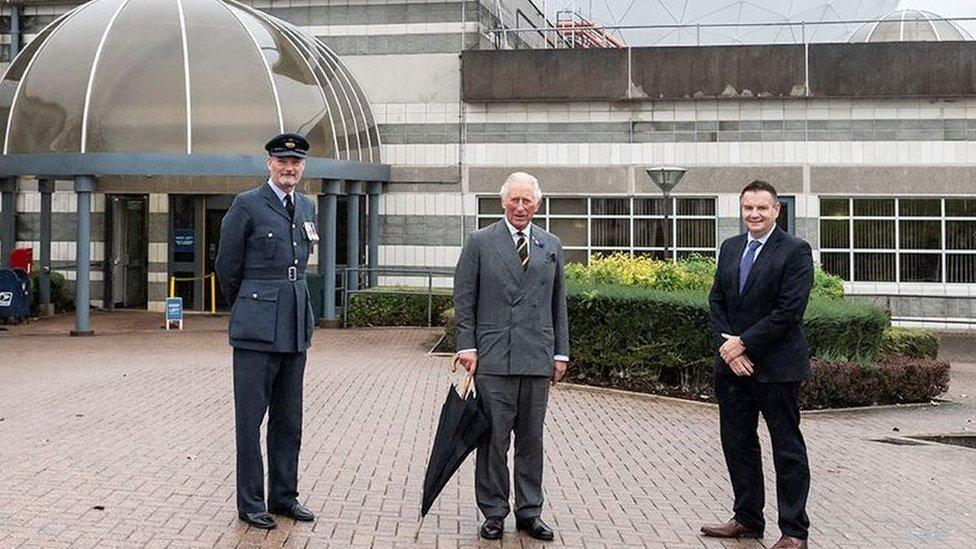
(126, 440)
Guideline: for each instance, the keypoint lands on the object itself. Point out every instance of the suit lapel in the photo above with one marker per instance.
(775, 239)
(735, 262)
(273, 201)
(507, 254)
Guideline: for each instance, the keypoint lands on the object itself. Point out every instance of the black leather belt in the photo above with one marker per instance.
(291, 274)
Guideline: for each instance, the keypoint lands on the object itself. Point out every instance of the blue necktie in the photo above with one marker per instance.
(746, 264)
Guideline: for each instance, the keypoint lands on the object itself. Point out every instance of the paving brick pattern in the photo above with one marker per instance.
(126, 440)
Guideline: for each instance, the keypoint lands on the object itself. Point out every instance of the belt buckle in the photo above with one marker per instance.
(292, 274)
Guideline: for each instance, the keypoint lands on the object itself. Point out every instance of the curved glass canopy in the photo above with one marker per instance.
(206, 77)
(910, 26)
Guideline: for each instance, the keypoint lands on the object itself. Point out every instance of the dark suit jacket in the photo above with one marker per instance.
(768, 316)
(516, 319)
(258, 243)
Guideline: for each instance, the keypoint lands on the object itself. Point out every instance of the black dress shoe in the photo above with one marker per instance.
(261, 519)
(493, 528)
(295, 511)
(535, 528)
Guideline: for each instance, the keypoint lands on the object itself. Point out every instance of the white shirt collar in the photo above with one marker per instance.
(512, 230)
(762, 239)
(280, 193)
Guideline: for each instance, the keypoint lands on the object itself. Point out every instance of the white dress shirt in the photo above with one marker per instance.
(527, 231)
(281, 194)
(762, 242)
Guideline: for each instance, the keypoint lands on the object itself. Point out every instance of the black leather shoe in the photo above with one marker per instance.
(535, 528)
(261, 519)
(493, 528)
(296, 511)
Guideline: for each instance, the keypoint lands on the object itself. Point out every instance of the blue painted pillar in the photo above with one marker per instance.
(14, 29)
(328, 213)
(8, 219)
(46, 187)
(355, 190)
(84, 185)
(374, 189)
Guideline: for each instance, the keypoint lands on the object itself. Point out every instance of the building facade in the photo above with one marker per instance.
(872, 146)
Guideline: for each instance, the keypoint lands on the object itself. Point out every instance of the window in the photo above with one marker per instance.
(633, 225)
(899, 239)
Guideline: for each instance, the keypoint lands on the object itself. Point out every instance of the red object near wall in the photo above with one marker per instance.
(22, 258)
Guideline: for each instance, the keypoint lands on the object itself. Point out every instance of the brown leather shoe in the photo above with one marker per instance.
(731, 529)
(787, 542)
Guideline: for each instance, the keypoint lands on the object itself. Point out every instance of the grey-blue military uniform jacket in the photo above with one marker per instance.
(261, 263)
(516, 319)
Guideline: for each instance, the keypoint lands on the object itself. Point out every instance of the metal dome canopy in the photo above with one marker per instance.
(188, 87)
(910, 26)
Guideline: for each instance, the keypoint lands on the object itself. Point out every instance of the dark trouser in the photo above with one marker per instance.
(740, 401)
(272, 383)
(514, 403)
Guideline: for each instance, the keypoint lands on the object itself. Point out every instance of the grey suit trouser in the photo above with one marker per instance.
(514, 403)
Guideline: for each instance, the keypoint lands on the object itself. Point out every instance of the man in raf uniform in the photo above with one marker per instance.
(265, 241)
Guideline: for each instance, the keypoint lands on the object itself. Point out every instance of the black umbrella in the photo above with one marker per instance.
(462, 425)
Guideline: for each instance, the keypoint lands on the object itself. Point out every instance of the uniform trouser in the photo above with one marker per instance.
(740, 401)
(272, 383)
(513, 403)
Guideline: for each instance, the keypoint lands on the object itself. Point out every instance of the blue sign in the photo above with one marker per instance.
(183, 240)
(174, 309)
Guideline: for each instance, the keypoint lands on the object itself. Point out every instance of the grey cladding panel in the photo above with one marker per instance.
(571, 75)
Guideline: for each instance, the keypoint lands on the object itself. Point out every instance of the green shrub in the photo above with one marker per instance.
(633, 336)
(396, 306)
(61, 295)
(625, 333)
(449, 343)
(893, 380)
(694, 273)
(844, 330)
(909, 342)
(827, 285)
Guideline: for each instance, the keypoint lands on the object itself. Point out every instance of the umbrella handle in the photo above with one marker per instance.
(466, 386)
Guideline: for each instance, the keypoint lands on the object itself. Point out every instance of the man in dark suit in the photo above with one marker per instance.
(510, 307)
(265, 240)
(757, 302)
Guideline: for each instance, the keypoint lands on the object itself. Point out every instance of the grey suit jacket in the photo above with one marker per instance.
(258, 244)
(515, 318)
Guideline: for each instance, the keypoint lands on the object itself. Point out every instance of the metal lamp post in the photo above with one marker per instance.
(666, 178)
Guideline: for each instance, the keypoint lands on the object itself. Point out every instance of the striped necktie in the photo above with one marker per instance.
(523, 249)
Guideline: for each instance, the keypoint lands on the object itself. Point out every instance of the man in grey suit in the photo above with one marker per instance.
(265, 241)
(510, 307)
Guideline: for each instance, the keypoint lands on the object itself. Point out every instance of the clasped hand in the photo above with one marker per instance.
(733, 352)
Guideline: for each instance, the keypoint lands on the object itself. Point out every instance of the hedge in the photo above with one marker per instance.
(694, 273)
(61, 295)
(910, 342)
(893, 380)
(632, 332)
(396, 306)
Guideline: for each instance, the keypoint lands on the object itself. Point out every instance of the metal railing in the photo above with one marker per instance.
(562, 36)
(884, 300)
(213, 287)
(364, 275)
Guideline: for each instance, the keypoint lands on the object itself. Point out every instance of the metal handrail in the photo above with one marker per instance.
(746, 24)
(554, 28)
(428, 272)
